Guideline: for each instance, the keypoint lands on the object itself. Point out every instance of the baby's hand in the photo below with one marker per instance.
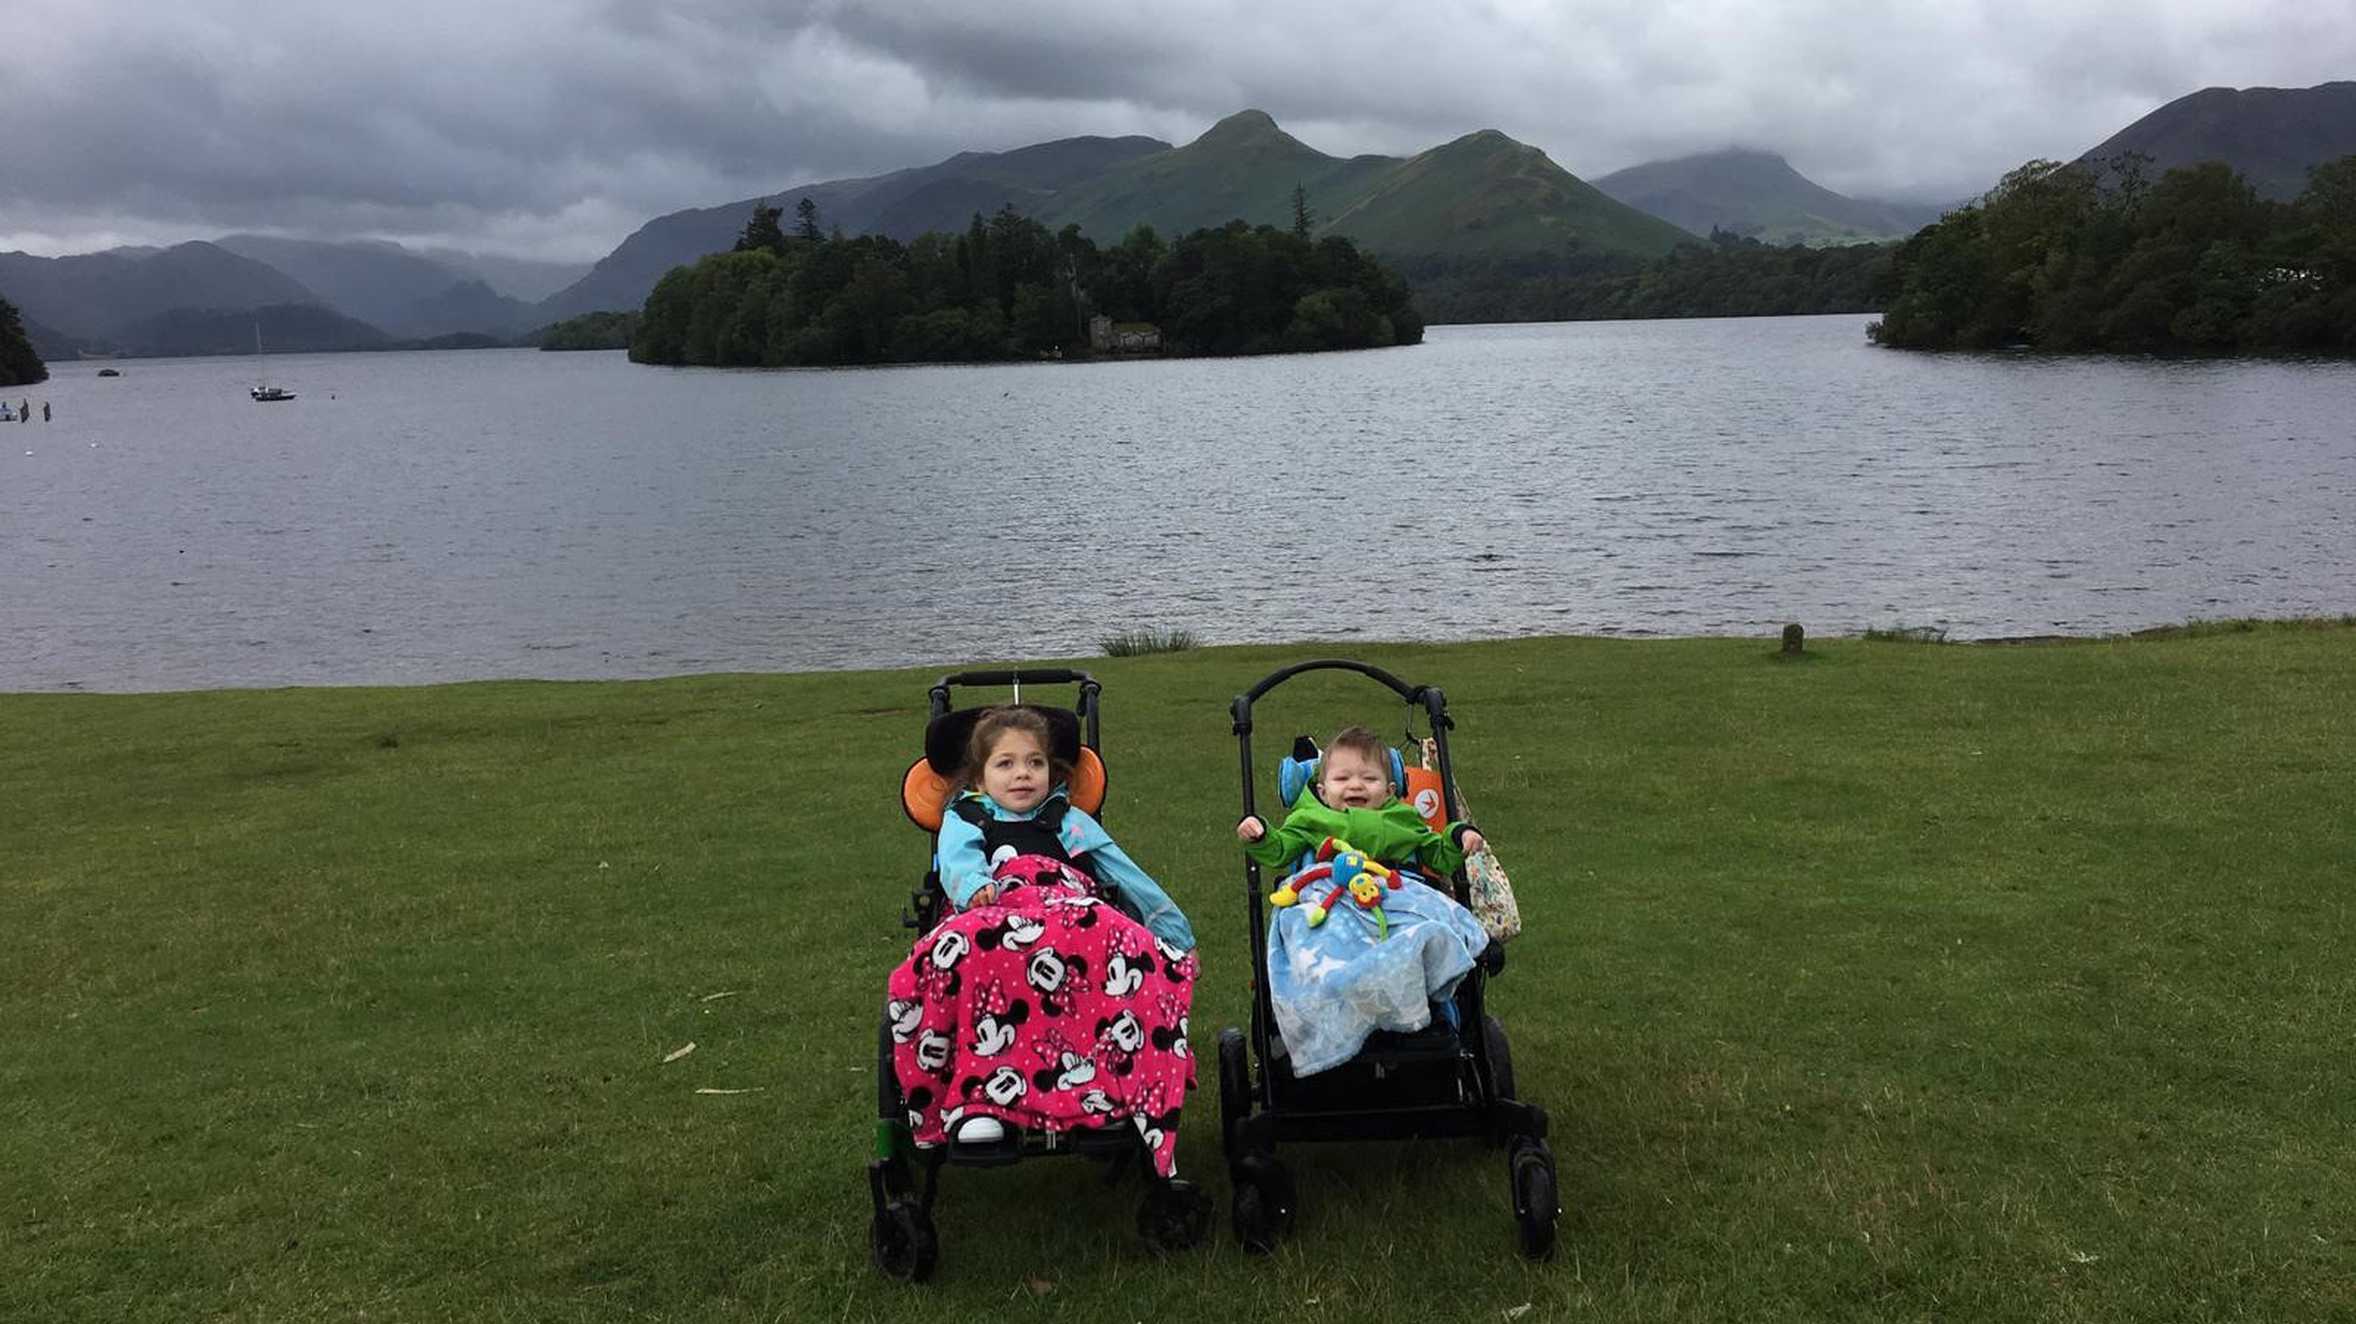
(982, 896)
(1474, 843)
(1251, 828)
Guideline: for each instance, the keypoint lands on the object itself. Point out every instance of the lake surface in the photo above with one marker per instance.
(446, 516)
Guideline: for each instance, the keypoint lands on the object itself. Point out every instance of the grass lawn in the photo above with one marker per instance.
(1903, 982)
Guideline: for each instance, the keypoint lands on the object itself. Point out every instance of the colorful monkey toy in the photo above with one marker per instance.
(1360, 878)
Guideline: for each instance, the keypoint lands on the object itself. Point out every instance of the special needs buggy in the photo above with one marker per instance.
(1441, 1081)
(903, 1178)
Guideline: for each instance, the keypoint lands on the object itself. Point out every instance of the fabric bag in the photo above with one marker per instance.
(1491, 891)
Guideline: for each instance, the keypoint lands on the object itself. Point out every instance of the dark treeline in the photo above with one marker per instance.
(19, 365)
(589, 331)
(1006, 288)
(1732, 276)
(2079, 258)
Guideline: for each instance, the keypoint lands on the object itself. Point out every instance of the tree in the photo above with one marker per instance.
(806, 224)
(1301, 217)
(762, 231)
(19, 365)
(1008, 286)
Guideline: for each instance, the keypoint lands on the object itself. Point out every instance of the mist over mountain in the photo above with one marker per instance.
(49, 342)
(466, 305)
(377, 282)
(88, 296)
(2271, 135)
(527, 279)
(1757, 194)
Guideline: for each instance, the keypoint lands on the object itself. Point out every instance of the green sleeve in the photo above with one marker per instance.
(1441, 854)
(1435, 851)
(1301, 830)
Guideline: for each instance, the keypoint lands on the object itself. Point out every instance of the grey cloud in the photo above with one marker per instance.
(558, 125)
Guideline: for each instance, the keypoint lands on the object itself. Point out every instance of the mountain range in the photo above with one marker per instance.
(1480, 196)
(124, 299)
(1757, 195)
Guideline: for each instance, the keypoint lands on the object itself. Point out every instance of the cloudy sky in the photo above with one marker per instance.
(553, 128)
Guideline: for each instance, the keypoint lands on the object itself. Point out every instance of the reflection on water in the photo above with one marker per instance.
(417, 517)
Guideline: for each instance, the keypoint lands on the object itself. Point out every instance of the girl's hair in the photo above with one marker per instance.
(1364, 743)
(995, 722)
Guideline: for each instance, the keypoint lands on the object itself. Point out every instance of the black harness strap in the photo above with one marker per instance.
(1040, 834)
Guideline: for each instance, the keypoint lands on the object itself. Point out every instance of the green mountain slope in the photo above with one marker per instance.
(2271, 135)
(1489, 196)
(1759, 196)
(1483, 194)
(1243, 166)
(902, 204)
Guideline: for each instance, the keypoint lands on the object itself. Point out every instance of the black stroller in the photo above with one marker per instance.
(1175, 1214)
(1436, 1082)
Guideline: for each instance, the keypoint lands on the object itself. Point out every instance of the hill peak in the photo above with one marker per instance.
(1756, 192)
(1731, 152)
(1482, 140)
(1243, 126)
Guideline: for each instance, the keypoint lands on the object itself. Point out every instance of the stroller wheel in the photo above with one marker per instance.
(1535, 1204)
(901, 1241)
(1235, 1088)
(1263, 1204)
(1174, 1216)
(1500, 1056)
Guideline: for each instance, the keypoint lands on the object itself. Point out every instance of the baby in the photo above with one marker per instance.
(1332, 985)
(1355, 803)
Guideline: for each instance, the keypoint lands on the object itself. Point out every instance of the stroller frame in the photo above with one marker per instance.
(902, 1240)
(1464, 1078)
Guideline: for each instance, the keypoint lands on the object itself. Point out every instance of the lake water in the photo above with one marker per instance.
(444, 516)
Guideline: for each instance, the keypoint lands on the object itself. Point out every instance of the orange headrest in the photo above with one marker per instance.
(924, 793)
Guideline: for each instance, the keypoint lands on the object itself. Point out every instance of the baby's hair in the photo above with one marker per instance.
(995, 722)
(1364, 743)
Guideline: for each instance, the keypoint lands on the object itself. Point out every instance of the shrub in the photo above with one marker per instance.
(1140, 640)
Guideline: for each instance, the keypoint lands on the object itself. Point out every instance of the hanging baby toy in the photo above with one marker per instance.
(1352, 873)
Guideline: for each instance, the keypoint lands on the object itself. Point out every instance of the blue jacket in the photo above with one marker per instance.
(958, 856)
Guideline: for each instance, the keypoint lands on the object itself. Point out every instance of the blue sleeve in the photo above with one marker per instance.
(958, 856)
(1139, 894)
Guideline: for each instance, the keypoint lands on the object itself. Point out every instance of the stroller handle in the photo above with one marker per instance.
(1090, 691)
(1411, 693)
(1037, 675)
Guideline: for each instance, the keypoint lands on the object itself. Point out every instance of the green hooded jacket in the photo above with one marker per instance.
(1391, 834)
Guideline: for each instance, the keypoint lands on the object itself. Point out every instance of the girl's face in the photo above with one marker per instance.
(1016, 774)
(1350, 780)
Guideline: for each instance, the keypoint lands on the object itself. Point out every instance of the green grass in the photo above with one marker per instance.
(1911, 984)
(1141, 640)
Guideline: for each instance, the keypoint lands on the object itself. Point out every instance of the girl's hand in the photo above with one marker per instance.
(983, 895)
(1474, 843)
(1251, 828)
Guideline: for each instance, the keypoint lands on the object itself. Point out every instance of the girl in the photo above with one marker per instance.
(1057, 996)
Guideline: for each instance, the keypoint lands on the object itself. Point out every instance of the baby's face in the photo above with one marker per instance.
(1351, 780)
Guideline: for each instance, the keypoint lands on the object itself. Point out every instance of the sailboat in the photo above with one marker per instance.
(263, 391)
